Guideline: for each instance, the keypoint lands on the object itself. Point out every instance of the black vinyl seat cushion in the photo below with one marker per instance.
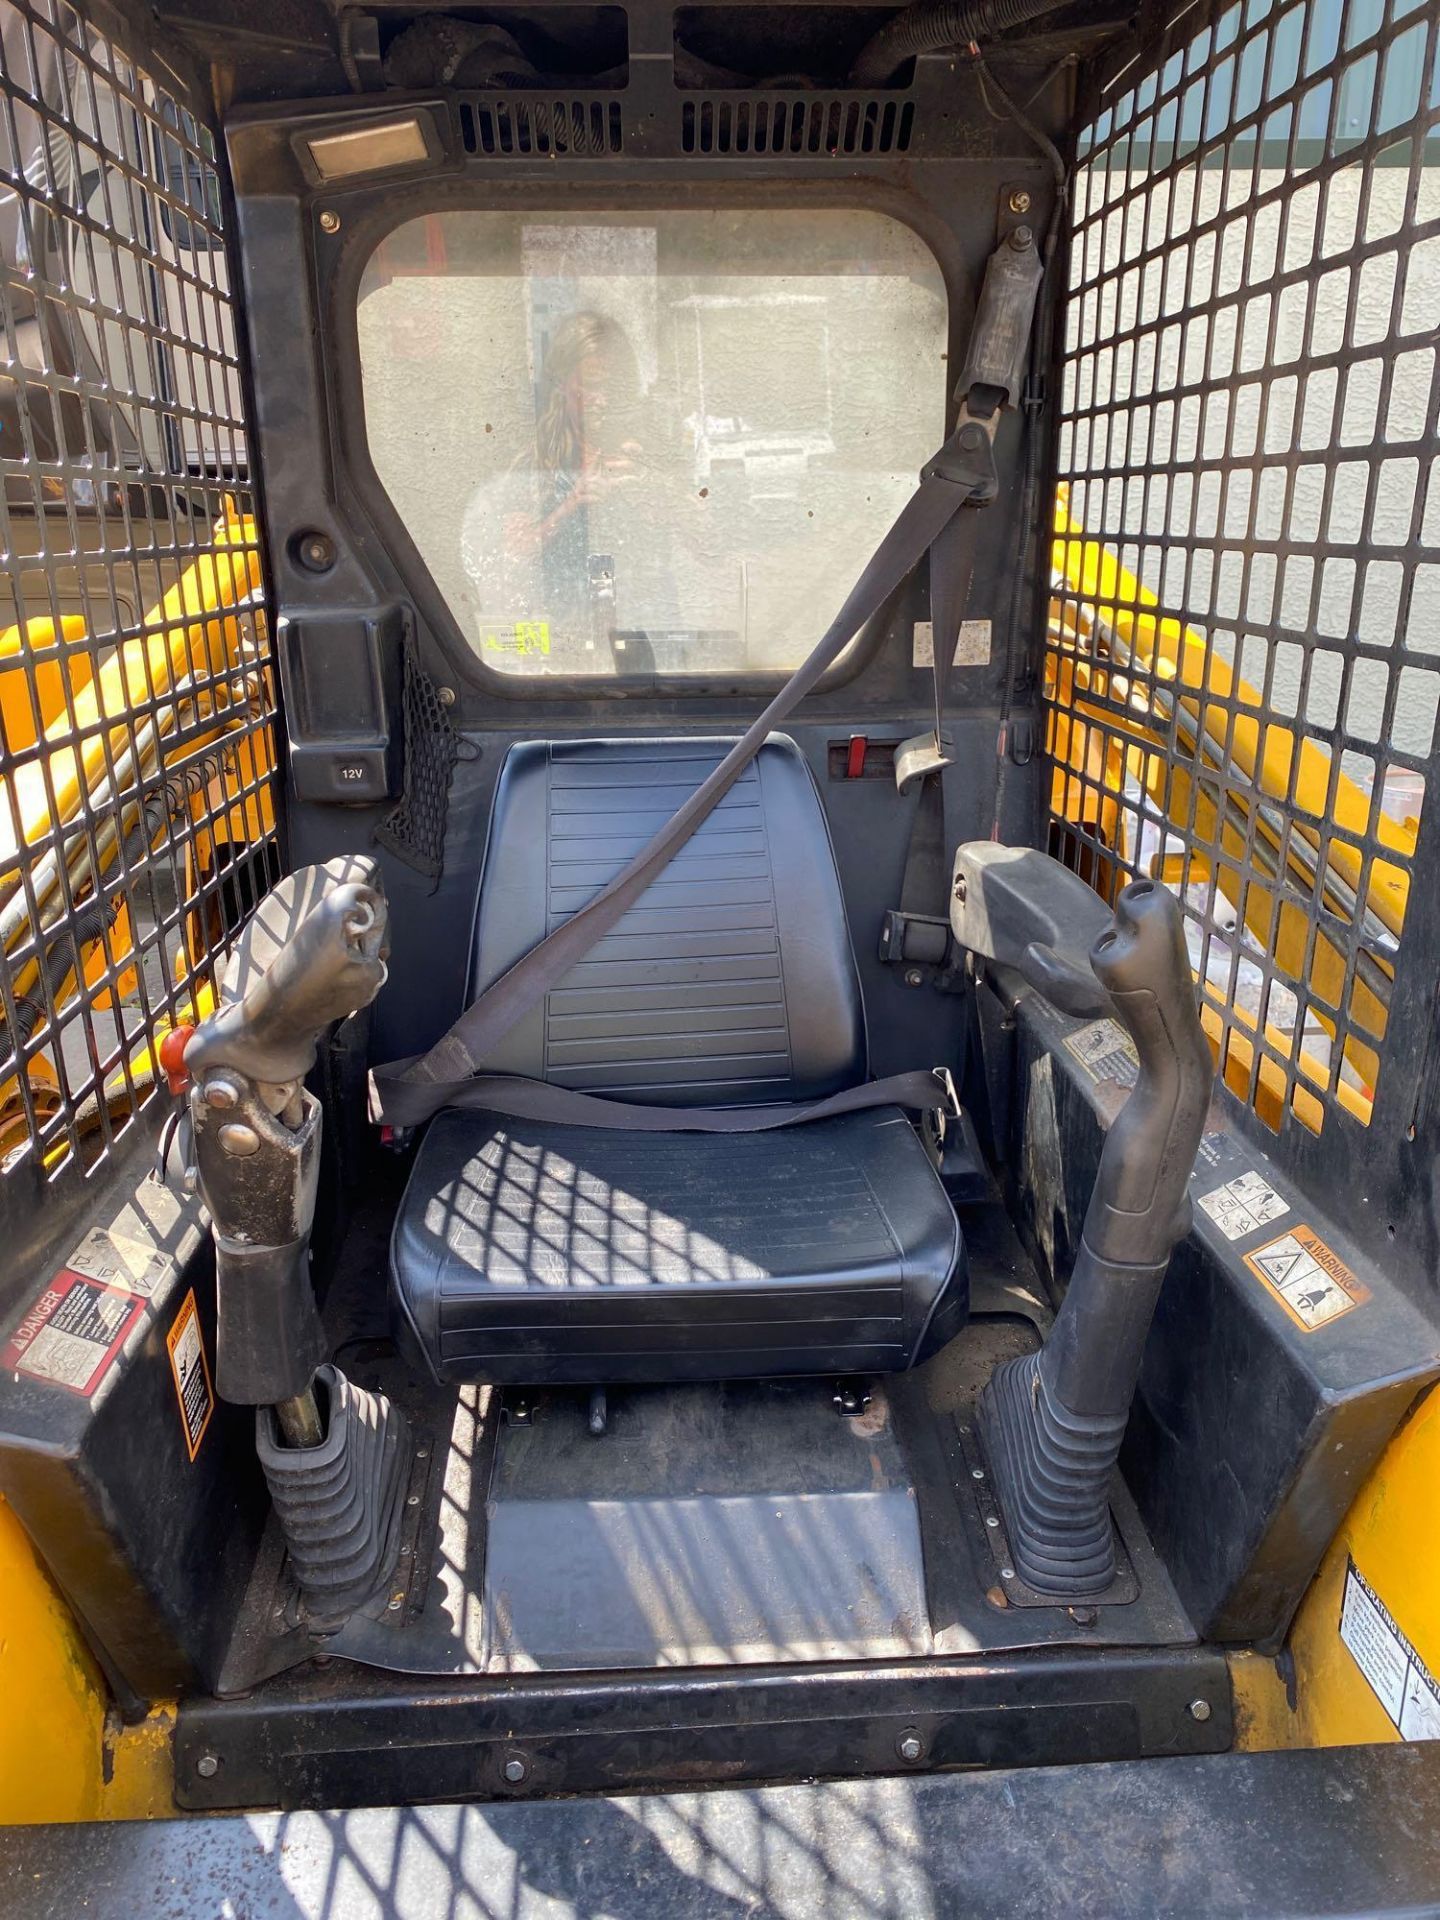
(528, 1252)
(535, 1253)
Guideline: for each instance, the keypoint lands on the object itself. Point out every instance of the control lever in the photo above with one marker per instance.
(312, 954)
(1052, 1421)
(1020, 908)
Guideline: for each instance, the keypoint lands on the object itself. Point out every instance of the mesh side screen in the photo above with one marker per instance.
(1243, 654)
(136, 687)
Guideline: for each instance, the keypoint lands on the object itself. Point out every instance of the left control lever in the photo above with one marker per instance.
(313, 954)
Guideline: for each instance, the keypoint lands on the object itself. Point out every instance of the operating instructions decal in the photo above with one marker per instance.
(1398, 1677)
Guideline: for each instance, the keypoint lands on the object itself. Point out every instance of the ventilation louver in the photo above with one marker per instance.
(809, 124)
(579, 128)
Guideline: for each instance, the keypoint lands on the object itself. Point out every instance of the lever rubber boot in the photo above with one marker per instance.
(1052, 1422)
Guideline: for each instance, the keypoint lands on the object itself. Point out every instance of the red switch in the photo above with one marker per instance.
(855, 764)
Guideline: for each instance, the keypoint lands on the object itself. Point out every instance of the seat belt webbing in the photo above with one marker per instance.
(523, 1099)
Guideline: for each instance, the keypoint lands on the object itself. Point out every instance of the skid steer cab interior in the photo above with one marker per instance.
(716, 1051)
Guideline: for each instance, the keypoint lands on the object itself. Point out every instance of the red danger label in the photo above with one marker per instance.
(72, 1333)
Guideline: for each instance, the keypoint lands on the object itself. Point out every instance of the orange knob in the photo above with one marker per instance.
(172, 1057)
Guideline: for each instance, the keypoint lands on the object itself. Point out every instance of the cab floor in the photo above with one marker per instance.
(714, 1525)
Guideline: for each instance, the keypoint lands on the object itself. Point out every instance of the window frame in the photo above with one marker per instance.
(369, 218)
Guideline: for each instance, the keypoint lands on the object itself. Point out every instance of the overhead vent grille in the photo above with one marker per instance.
(513, 128)
(810, 124)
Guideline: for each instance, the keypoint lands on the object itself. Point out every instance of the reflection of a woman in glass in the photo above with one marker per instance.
(549, 565)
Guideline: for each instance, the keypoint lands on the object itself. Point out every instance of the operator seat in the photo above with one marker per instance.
(537, 1253)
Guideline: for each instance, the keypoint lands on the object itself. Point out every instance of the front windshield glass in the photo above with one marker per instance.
(650, 443)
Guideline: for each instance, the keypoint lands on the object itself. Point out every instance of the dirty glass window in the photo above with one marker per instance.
(662, 443)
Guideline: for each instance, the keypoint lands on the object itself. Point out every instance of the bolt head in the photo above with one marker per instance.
(1020, 201)
(910, 1747)
(514, 1770)
(991, 1520)
(239, 1139)
(1020, 238)
(447, 696)
(221, 1094)
(1200, 1710)
(329, 221)
(914, 977)
(977, 1473)
(207, 1766)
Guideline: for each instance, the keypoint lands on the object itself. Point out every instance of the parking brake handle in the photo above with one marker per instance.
(1052, 1422)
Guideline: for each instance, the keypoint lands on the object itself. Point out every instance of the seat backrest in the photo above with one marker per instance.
(730, 980)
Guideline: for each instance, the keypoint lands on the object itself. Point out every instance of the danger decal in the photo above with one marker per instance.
(73, 1332)
(1307, 1277)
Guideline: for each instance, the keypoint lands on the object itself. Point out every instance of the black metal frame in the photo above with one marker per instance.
(1186, 249)
(946, 187)
(132, 475)
(344, 1737)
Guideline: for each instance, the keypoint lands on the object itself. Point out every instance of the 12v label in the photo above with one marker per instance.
(72, 1333)
(1308, 1278)
(191, 1371)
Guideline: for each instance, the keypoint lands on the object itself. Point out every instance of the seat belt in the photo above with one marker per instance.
(405, 1093)
(917, 932)
(922, 1090)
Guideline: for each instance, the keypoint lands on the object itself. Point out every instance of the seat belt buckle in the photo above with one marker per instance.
(950, 1106)
(921, 939)
(921, 754)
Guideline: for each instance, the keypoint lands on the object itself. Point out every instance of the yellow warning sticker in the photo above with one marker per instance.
(523, 637)
(1309, 1279)
(191, 1372)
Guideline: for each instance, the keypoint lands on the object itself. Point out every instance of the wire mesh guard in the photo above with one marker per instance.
(1243, 656)
(136, 688)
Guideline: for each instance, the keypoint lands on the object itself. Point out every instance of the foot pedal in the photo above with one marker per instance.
(340, 1503)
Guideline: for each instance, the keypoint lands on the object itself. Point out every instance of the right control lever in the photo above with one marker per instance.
(1052, 1421)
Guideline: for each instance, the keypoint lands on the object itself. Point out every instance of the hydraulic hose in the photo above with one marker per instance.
(925, 27)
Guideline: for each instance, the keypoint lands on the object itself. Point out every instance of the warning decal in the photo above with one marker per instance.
(119, 1262)
(1243, 1206)
(191, 1372)
(1106, 1052)
(1398, 1677)
(72, 1333)
(1309, 1279)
